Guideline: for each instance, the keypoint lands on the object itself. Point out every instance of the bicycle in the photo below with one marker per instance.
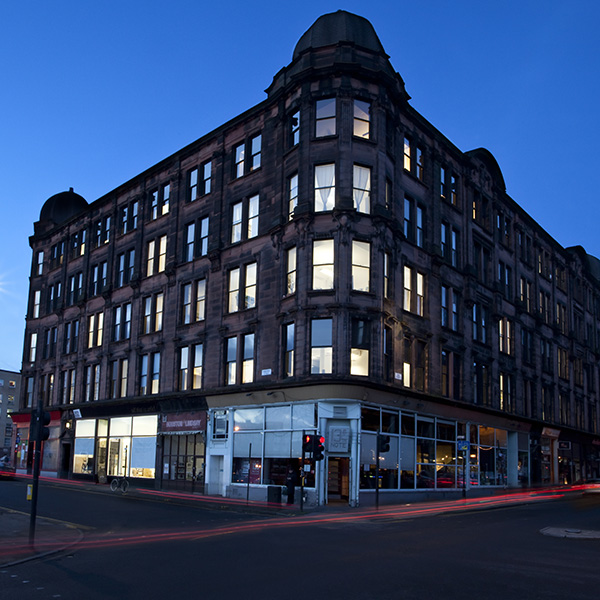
(119, 483)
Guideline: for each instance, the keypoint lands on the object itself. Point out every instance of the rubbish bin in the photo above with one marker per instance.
(274, 494)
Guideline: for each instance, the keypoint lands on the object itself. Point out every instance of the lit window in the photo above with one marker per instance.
(324, 187)
(362, 189)
(360, 346)
(361, 266)
(289, 333)
(291, 270)
(362, 116)
(231, 361)
(323, 265)
(248, 359)
(293, 194)
(252, 217)
(250, 286)
(321, 359)
(325, 117)
(234, 290)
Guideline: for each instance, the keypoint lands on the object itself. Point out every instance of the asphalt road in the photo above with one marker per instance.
(148, 549)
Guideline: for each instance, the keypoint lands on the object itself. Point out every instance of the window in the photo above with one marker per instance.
(323, 265)
(481, 259)
(54, 295)
(99, 280)
(362, 117)
(193, 300)
(546, 355)
(250, 208)
(505, 280)
(448, 186)
(75, 288)
(321, 358)
(39, 263)
(506, 390)
(449, 244)
(526, 346)
(67, 384)
(150, 374)
(249, 274)
(563, 363)
(506, 336)
(92, 383)
(128, 217)
(190, 367)
(295, 128)
(449, 307)
(118, 378)
(292, 194)
(413, 222)
(95, 329)
(231, 361)
(360, 347)
(248, 358)
(481, 383)
(35, 312)
(255, 147)
(57, 255)
(101, 232)
(196, 240)
(503, 229)
(561, 317)
(153, 307)
(125, 267)
(481, 211)
(414, 291)
(32, 347)
(250, 285)
(78, 243)
(362, 189)
(325, 117)
(291, 270)
(361, 266)
(413, 159)
(157, 256)
(525, 294)
(324, 187)
(247, 156)
(414, 363)
(451, 374)
(480, 320)
(288, 354)
(525, 247)
(545, 264)
(387, 262)
(122, 322)
(160, 201)
(71, 337)
(199, 181)
(544, 306)
(388, 353)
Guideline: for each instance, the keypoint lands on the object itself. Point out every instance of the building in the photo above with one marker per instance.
(325, 262)
(10, 390)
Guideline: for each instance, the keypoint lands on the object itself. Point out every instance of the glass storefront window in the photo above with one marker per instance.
(278, 417)
(370, 420)
(247, 418)
(145, 425)
(83, 455)
(390, 422)
(303, 416)
(120, 426)
(85, 428)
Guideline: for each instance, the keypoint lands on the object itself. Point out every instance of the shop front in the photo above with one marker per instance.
(182, 450)
(119, 446)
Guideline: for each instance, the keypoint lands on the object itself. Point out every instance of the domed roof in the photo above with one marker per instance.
(340, 26)
(61, 207)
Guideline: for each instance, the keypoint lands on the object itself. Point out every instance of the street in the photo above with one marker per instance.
(137, 548)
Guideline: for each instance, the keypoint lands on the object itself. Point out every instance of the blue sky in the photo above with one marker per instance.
(93, 93)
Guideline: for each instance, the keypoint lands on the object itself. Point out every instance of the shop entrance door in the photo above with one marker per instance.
(338, 479)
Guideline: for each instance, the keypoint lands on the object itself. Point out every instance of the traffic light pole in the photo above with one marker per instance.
(377, 473)
(302, 474)
(36, 467)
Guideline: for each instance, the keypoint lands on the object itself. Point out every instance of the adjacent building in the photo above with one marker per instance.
(10, 389)
(325, 262)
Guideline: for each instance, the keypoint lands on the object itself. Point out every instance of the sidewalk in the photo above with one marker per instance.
(50, 537)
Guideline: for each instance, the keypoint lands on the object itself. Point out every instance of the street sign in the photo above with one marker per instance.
(463, 445)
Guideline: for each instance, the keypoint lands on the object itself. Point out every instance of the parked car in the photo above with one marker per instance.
(7, 471)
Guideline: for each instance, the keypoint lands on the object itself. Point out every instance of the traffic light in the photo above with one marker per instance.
(308, 443)
(44, 421)
(319, 447)
(383, 443)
